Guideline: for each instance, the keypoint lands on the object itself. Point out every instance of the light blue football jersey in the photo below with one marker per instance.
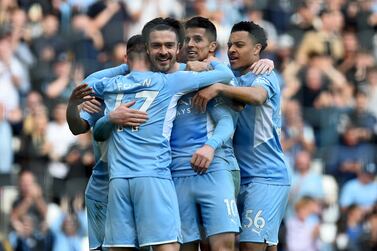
(192, 129)
(145, 151)
(257, 137)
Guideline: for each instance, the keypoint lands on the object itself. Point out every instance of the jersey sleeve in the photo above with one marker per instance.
(107, 73)
(225, 120)
(188, 81)
(266, 82)
(102, 129)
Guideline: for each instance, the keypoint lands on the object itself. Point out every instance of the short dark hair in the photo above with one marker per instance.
(136, 47)
(160, 24)
(205, 23)
(256, 32)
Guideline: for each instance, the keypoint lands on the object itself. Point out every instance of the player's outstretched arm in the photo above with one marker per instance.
(79, 95)
(201, 99)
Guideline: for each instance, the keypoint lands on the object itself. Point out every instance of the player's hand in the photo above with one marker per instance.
(197, 66)
(123, 115)
(262, 66)
(92, 106)
(202, 158)
(81, 94)
(202, 97)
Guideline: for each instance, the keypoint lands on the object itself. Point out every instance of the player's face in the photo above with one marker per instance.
(197, 45)
(242, 51)
(162, 49)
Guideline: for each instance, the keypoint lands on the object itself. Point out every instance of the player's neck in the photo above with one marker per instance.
(174, 68)
(246, 69)
(139, 65)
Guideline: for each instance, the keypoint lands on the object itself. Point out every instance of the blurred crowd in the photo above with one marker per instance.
(325, 52)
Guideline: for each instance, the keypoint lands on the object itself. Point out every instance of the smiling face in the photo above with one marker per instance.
(242, 51)
(162, 49)
(197, 44)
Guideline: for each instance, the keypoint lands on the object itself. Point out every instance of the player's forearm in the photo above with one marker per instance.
(224, 118)
(246, 95)
(102, 129)
(222, 133)
(76, 124)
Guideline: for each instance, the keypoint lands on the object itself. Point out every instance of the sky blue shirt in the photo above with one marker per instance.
(355, 192)
(257, 137)
(145, 151)
(192, 129)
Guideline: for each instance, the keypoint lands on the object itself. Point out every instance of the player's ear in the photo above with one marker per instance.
(125, 58)
(212, 46)
(257, 49)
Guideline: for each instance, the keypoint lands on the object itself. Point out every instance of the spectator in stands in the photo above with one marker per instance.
(86, 42)
(344, 161)
(111, 18)
(368, 240)
(326, 40)
(364, 122)
(69, 228)
(296, 134)
(302, 21)
(372, 90)
(34, 149)
(303, 228)
(46, 48)
(361, 191)
(60, 139)
(350, 229)
(80, 160)
(305, 182)
(63, 80)
(28, 216)
(5, 143)
(11, 72)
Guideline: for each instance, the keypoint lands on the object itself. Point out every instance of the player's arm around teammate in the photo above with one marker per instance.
(257, 146)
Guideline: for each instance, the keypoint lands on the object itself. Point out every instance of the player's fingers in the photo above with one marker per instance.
(92, 106)
(195, 101)
(131, 124)
(202, 107)
(97, 103)
(136, 120)
(264, 69)
(81, 87)
(258, 69)
(137, 112)
(193, 158)
(87, 98)
(252, 67)
(88, 109)
(131, 103)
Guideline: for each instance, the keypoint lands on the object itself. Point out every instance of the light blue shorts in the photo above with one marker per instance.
(262, 208)
(96, 213)
(207, 200)
(141, 212)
